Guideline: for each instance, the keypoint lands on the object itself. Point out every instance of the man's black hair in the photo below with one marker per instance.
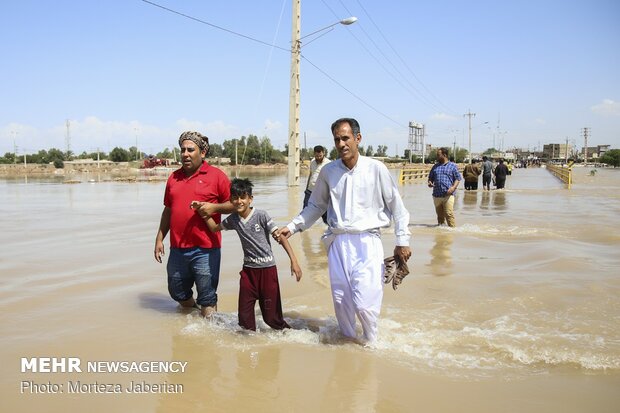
(319, 148)
(240, 187)
(354, 124)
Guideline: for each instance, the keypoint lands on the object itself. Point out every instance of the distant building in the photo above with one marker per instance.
(556, 151)
(87, 163)
(594, 152)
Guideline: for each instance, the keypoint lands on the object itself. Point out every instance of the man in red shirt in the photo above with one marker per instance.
(194, 250)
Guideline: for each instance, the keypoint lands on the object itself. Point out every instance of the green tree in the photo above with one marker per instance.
(8, 157)
(333, 154)
(57, 157)
(460, 155)
(134, 154)
(381, 150)
(611, 157)
(165, 154)
(216, 150)
(119, 155)
(40, 157)
(369, 151)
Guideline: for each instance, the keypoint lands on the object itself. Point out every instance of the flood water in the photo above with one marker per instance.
(516, 309)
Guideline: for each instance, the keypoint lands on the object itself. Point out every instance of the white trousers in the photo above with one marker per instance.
(355, 270)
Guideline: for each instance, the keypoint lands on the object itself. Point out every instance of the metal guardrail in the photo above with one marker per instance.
(563, 173)
(414, 173)
(418, 172)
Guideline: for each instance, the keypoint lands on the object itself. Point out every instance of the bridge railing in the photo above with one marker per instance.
(418, 172)
(413, 173)
(563, 172)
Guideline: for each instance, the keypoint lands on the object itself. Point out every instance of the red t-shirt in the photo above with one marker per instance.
(187, 228)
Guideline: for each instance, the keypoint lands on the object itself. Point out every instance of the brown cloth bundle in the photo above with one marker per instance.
(395, 271)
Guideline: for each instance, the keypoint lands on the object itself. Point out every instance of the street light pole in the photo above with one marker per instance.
(469, 115)
(294, 91)
(293, 103)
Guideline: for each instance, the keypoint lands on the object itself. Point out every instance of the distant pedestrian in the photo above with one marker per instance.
(487, 171)
(444, 178)
(316, 165)
(470, 174)
(501, 171)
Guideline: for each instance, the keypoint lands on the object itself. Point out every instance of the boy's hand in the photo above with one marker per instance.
(296, 270)
(204, 209)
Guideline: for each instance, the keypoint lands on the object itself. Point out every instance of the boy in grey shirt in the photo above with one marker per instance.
(259, 275)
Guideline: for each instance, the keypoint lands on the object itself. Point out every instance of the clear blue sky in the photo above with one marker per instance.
(124, 69)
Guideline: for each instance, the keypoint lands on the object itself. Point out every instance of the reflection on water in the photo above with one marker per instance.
(441, 253)
(499, 200)
(470, 199)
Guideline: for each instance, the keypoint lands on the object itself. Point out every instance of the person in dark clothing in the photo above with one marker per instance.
(501, 171)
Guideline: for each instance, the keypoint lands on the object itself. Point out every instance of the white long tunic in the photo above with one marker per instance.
(362, 199)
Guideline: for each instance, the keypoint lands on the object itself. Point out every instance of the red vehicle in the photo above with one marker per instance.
(152, 162)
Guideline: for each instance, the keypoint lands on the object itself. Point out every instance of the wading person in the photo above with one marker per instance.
(360, 197)
(487, 171)
(500, 172)
(194, 250)
(471, 172)
(259, 275)
(316, 165)
(444, 178)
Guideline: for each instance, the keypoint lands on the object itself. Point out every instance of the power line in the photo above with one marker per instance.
(403, 61)
(351, 93)
(277, 47)
(215, 26)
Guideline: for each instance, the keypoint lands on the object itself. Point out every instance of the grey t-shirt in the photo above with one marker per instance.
(254, 232)
(487, 167)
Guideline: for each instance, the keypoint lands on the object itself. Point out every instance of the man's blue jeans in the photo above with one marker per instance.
(187, 266)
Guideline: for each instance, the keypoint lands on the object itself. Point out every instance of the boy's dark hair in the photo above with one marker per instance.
(240, 187)
(319, 148)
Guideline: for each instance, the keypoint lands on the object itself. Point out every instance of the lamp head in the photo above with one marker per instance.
(348, 21)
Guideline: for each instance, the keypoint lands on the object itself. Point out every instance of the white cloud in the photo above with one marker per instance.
(540, 121)
(443, 117)
(92, 133)
(607, 107)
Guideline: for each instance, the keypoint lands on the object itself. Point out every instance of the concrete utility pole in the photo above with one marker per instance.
(68, 139)
(585, 145)
(293, 108)
(14, 133)
(469, 115)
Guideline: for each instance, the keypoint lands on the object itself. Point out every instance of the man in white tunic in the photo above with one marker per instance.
(360, 197)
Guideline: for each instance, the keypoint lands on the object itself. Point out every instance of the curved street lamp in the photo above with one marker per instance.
(293, 109)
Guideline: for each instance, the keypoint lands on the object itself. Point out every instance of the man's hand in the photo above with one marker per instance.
(403, 253)
(281, 232)
(159, 251)
(204, 209)
(430, 184)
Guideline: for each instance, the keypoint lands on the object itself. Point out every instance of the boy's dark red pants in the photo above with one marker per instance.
(260, 284)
